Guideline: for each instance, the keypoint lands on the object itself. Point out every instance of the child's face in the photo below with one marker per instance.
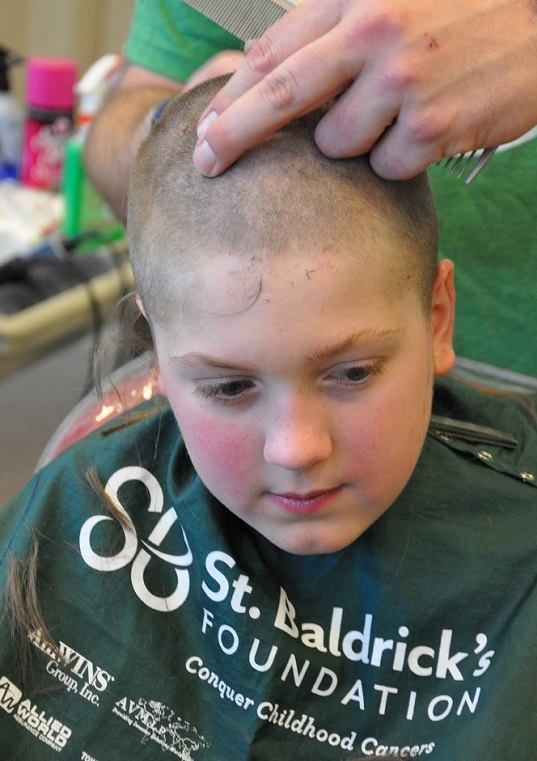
(303, 389)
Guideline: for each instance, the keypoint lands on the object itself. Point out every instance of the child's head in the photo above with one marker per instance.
(299, 317)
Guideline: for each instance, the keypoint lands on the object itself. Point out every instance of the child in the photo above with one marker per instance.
(313, 567)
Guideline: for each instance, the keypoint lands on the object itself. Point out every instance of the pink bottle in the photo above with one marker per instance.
(50, 101)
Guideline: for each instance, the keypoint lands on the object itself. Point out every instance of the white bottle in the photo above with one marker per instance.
(11, 121)
(85, 209)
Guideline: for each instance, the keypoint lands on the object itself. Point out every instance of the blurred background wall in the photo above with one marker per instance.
(79, 29)
(35, 400)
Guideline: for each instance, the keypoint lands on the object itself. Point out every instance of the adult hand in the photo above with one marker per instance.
(416, 81)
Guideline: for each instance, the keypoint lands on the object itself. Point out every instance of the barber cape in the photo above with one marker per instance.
(182, 633)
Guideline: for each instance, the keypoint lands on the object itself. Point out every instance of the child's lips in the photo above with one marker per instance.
(309, 502)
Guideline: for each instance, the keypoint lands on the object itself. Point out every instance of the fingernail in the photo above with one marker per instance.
(204, 158)
(248, 45)
(205, 123)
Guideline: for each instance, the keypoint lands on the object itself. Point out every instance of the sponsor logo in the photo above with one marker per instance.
(77, 673)
(10, 695)
(44, 727)
(159, 724)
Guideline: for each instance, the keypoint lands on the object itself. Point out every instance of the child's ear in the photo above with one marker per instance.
(443, 317)
(140, 305)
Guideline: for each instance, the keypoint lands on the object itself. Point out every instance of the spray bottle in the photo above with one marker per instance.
(11, 121)
(49, 119)
(85, 210)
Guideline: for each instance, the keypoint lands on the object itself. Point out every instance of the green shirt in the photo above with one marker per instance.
(191, 636)
(489, 229)
(172, 39)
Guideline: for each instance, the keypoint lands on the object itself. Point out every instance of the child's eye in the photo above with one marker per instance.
(355, 375)
(225, 391)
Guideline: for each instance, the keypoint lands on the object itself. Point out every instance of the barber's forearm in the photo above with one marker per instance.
(115, 136)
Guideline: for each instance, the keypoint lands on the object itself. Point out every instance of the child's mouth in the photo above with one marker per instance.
(304, 503)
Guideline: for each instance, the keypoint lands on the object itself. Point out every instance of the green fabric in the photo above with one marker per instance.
(489, 229)
(172, 39)
(192, 636)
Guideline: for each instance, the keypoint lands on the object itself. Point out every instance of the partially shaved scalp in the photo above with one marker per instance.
(280, 197)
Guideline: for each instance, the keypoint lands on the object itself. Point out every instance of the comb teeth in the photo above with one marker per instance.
(246, 19)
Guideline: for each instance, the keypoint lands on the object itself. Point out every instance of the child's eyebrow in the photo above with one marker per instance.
(194, 360)
(361, 337)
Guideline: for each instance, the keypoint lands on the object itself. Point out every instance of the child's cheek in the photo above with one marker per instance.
(223, 455)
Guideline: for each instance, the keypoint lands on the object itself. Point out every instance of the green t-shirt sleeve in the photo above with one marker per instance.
(170, 38)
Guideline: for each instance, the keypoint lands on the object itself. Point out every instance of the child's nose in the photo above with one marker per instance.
(298, 437)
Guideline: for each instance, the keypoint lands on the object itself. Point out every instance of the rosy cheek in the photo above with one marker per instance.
(222, 453)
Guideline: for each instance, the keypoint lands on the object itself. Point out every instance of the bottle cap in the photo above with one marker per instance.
(93, 86)
(50, 83)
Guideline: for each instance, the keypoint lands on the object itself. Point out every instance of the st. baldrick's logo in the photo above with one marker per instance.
(140, 552)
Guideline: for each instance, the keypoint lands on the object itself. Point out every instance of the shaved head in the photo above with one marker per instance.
(282, 196)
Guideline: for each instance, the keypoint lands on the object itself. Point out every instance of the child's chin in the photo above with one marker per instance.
(309, 543)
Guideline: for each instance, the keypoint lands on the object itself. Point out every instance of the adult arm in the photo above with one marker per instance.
(416, 81)
(168, 42)
(119, 128)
